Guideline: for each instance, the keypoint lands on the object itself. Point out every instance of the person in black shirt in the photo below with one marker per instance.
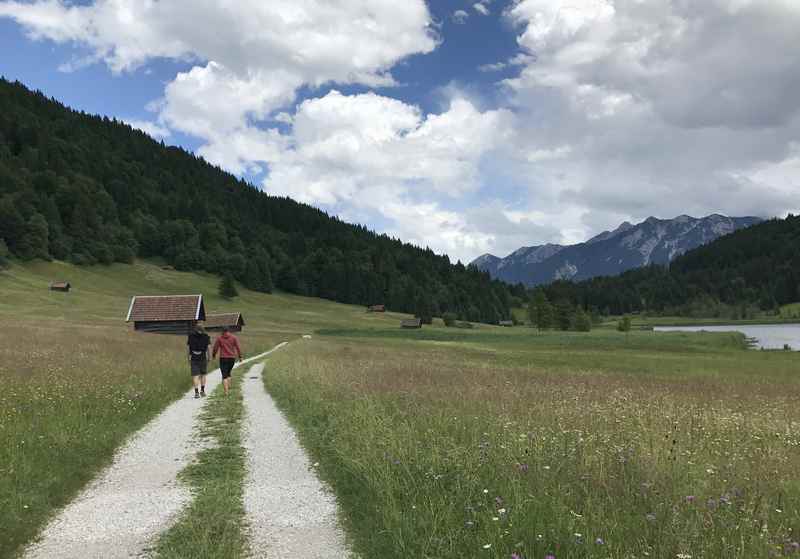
(198, 343)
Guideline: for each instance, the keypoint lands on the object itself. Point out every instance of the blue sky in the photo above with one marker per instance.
(465, 126)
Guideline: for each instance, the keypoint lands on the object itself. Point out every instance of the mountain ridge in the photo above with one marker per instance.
(629, 246)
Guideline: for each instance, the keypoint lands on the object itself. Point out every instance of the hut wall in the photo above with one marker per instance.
(183, 327)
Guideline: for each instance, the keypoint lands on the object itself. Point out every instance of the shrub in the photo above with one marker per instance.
(450, 319)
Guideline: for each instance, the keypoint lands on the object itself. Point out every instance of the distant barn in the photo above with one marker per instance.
(166, 314)
(60, 286)
(216, 322)
(507, 323)
(411, 323)
(376, 308)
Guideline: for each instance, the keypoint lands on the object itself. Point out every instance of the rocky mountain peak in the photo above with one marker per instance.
(653, 241)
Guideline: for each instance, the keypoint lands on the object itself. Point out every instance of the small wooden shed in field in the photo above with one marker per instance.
(166, 314)
(60, 286)
(376, 308)
(216, 322)
(507, 323)
(411, 323)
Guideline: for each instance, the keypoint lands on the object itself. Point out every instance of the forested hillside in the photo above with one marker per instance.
(757, 268)
(92, 190)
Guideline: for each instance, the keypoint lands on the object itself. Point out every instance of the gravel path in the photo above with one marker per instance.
(289, 511)
(136, 498)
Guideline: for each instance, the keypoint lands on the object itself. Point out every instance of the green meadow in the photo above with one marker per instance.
(508, 443)
(77, 381)
(489, 442)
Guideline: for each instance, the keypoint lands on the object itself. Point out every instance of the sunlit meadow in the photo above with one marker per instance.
(518, 445)
(77, 381)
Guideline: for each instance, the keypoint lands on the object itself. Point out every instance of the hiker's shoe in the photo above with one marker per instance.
(196, 394)
(203, 394)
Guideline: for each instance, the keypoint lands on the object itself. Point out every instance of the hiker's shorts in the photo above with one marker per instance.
(199, 366)
(226, 366)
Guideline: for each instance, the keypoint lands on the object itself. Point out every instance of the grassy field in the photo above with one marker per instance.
(439, 442)
(495, 442)
(77, 381)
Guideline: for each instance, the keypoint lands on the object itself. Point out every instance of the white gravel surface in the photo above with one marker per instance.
(121, 512)
(290, 512)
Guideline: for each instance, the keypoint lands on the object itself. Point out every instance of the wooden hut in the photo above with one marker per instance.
(507, 323)
(216, 322)
(166, 314)
(376, 308)
(60, 286)
(412, 323)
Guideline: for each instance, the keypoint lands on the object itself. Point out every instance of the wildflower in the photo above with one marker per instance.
(485, 491)
(516, 555)
(523, 468)
(599, 541)
(683, 556)
(501, 511)
(690, 498)
(650, 517)
(487, 545)
(549, 556)
(498, 501)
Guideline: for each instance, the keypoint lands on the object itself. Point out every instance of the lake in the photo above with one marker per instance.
(768, 336)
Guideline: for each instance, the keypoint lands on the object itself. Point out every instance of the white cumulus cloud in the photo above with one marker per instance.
(481, 8)
(460, 16)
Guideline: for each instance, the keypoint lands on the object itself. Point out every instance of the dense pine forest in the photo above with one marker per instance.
(92, 190)
(749, 271)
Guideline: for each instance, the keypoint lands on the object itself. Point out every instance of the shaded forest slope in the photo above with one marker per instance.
(88, 190)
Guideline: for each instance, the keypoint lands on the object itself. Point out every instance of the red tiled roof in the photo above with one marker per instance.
(166, 308)
(226, 319)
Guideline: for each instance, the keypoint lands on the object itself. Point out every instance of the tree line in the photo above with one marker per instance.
(92, 190)
(750, 271)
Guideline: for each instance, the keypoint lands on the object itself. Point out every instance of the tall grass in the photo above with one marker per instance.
(439, 453)
(70, 396)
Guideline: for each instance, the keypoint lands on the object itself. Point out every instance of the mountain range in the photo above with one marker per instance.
(653, 241)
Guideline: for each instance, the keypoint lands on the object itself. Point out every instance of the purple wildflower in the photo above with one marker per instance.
(599, 541)
(498, 501)
(690, 498)
(523, 468)
(549, 556)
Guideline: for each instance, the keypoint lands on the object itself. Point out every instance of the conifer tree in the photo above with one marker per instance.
(227, 287)
(540, 311)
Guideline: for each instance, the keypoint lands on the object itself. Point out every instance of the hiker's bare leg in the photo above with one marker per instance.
(203, 382)
(226, 383)
(196, 381)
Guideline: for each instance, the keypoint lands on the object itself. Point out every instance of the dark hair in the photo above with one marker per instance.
(225, 329)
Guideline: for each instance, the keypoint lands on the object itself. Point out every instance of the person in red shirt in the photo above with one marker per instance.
(227, 345)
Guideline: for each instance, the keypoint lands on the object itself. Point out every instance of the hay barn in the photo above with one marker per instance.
(411, 323)
(376, 308)
(507, 323)
(216, 322)
(60, 286)
(166, 314)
